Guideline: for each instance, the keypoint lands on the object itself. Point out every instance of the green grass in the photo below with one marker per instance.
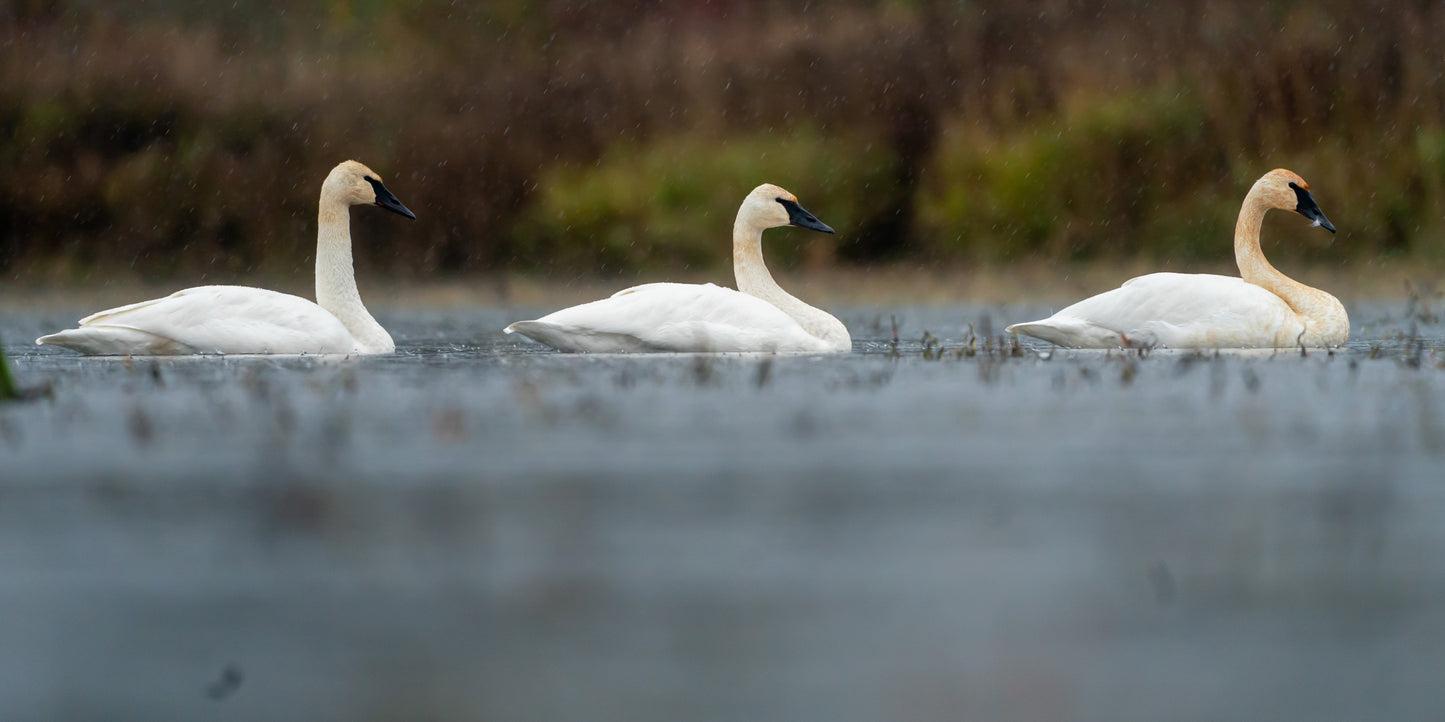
(672, 202)
(1113, 178)
(602, 138)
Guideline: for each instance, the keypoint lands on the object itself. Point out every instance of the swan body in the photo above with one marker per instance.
(1261, 309)
(679, 317)
(672, 317)
(245, 320)
(1173, 310)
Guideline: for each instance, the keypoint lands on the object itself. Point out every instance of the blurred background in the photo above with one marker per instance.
(604, 138)
(937, 527)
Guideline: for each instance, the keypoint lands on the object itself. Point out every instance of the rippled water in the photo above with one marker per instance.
(478, 529)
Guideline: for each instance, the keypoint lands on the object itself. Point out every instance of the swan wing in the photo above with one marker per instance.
(653, 286)
(1177, 310)
(210, 319)
(677, 317)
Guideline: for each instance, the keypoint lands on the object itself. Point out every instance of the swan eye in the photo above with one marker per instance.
(1302, 195)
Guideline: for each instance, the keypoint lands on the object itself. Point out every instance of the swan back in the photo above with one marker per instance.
(679, 317)
(210, 320)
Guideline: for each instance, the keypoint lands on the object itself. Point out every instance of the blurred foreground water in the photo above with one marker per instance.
(477, 529)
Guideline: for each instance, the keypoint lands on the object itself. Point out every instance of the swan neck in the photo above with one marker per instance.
(753, 278)
(1324, 316)
(336, 277)
(751, 273)
(1253, 266)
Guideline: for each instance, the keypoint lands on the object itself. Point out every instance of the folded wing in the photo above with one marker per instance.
(675, 317)
(210, 319)
(1174, 310)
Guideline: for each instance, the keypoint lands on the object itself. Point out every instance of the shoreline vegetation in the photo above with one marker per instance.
(611, 139)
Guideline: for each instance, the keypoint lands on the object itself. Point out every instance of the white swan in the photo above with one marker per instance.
(680, 317)
(1263, 309)
(240, 319)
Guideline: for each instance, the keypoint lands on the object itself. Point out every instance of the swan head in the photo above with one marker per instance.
(1285, 190)
(769, 206)
(356, 185)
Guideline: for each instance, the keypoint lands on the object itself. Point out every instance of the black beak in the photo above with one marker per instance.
(386, 200)
(798, 216)
(1309, 209)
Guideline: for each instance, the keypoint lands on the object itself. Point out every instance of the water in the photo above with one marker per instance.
(476, 529)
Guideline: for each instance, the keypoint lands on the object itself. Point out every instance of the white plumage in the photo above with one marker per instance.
(680, 317)
(210, 319)
(241, 319)
(1173, 310)
(672, 317)
(1262, 309)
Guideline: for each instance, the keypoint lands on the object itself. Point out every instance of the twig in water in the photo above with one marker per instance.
(765, 372)
(1126, 376)
(229, 681)
(1251, 380)
(1417, 305)
(702, 369)
(10, 391)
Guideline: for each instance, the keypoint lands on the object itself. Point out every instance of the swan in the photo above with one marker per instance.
(245, 320)
(1263, 309)
(684, 317)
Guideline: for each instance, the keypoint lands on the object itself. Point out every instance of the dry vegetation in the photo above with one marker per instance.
(565, 137)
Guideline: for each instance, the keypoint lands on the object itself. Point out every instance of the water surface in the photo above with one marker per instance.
(477, 528)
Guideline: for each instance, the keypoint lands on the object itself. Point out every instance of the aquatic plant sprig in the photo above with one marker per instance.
(11, 391)
(7, 382)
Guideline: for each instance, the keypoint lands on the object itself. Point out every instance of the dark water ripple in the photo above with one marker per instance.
(930, 530)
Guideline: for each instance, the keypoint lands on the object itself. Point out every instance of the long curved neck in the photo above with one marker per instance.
(749, 269)
(1320, 310)
(336, 278)
(1253, 266)
(754, 279)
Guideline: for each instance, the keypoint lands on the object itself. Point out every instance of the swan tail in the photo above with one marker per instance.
(579, 340)
(521, 327)
(543, 333)
(97, 340)
(1070, 332)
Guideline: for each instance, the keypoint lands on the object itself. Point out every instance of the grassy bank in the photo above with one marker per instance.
(616, 137)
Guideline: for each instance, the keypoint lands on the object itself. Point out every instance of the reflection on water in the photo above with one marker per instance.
(476, 529)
